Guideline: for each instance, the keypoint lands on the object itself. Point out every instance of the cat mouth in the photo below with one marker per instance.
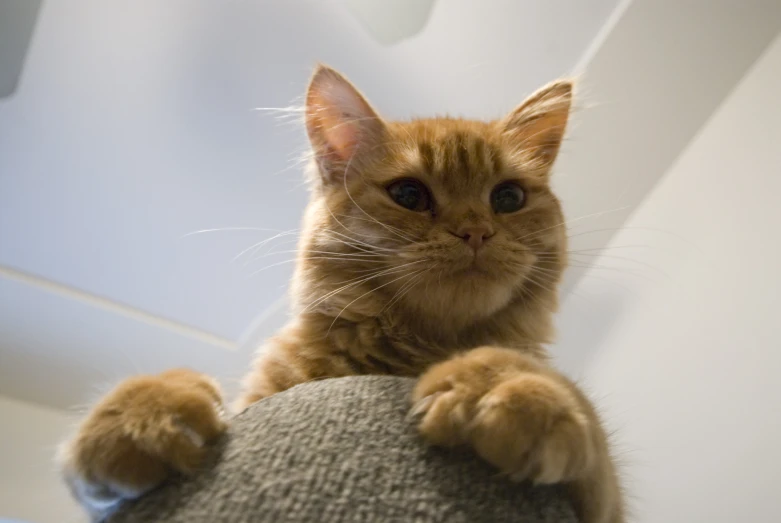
(474, 271)
(475, 267)
(471, 264)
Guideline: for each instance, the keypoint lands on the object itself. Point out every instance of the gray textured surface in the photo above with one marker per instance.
(342, 450)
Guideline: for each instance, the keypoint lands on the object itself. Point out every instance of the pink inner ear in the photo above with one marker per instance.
(338, 117)
(341, 135)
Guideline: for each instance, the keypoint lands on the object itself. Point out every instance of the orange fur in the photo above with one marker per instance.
(381, 289)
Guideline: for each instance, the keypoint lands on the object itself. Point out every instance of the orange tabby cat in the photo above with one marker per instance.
(430, 248)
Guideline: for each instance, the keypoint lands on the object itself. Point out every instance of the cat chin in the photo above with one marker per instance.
(474, 272)
(463, 296)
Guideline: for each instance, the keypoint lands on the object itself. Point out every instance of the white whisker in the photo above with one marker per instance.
(567, 223)
(257, 246)
(229, 229)
(331, 258)
(357, 281)
(406, 288)
(361, 296)
(347, 191)
(635, 228)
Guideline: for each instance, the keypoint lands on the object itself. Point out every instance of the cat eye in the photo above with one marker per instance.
(507, 197)
(410, 194)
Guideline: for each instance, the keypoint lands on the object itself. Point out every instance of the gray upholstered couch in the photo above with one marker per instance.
(342, 450)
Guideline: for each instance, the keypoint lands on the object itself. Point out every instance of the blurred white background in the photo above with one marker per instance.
(132, 126)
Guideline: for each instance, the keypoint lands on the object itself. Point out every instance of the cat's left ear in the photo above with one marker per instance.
(536, 128)
(341, 125)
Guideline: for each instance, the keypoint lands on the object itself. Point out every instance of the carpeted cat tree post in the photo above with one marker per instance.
(342, 450)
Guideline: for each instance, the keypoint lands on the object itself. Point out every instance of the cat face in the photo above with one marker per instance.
(442, 211)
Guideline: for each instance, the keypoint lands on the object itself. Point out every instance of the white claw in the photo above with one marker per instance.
(422, 405)
(193, 436)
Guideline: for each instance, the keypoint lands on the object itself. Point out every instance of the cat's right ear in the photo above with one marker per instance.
(340, 123)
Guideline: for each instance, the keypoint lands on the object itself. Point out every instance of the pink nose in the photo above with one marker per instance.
(475, 236)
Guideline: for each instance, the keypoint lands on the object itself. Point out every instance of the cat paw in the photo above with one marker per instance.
(515, 416)
(146, 429)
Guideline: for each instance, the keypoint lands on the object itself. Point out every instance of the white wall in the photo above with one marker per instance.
(689, 371)
(30, 488)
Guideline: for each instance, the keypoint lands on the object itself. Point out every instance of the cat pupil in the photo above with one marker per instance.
(410, 194)
(507, 198)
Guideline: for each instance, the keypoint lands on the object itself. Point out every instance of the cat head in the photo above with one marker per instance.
(448, 218)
